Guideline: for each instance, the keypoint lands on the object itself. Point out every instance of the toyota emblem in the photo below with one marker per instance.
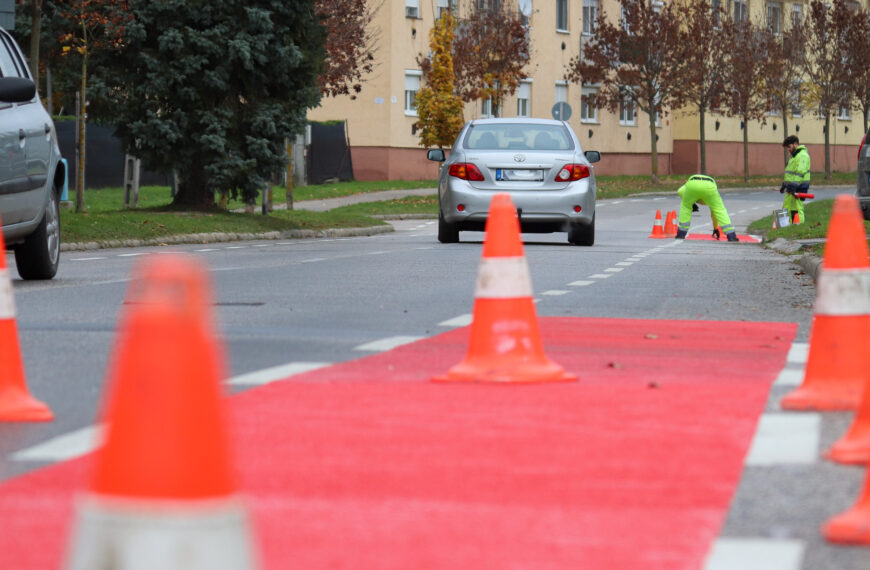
(519, 158)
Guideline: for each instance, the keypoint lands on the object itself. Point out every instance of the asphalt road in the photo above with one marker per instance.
(324, 301)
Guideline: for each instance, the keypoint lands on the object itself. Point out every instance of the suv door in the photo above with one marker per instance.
(14, 180)
(13, 169)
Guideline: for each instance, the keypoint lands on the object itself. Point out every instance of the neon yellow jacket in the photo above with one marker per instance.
(798, 168)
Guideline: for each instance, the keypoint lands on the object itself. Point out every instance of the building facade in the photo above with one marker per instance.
(384, 143)
(7, 14)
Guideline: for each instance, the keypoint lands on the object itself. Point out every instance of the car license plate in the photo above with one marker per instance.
(524, 175)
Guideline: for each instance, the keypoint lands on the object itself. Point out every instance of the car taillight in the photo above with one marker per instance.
(465, 171)
(571, 172)
(861, 147)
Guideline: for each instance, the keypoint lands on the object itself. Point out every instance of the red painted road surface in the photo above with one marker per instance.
(367, 464)
(709, 237)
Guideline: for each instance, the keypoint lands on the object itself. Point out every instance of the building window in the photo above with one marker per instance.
(562, 15)
(627, 112)
(486, 108)
(446, 6)
(657, 6)
(797, 14)
(588, 108)
(524, 98)
(412, 85)
(590, 16)
(844, 113)
(774, 17)
(740, 10)
(795, 99)
(561, 92)
(412, 8)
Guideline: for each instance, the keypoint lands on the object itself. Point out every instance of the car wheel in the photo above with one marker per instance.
(39, 255)
(582, 234)
(447, 232)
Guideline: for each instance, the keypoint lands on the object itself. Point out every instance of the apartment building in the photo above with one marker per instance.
(380, 120)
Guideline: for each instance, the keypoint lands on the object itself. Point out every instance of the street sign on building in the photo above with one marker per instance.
(7, 14)
(561, 111)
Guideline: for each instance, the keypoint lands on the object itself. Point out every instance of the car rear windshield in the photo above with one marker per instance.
(516, 136)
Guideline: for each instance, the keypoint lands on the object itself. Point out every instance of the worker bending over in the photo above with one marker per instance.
(701, 189)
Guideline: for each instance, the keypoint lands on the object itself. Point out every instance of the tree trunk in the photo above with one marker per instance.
(653, 143)
(827, 146)
(195, 189)
(784, 133)
(35, 30)
(702, 114)
(745, 149)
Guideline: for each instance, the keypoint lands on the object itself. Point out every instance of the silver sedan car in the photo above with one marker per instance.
(538, 162)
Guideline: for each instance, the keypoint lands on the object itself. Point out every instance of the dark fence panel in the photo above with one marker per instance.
(328, 155)
(104, 157)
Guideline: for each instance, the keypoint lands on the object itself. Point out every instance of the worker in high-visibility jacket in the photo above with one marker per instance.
(797, 177)
(701, 189)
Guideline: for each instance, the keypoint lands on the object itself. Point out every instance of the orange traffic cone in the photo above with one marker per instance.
(505, 341)
(163, 493)
(853, 525)
(16, 403)
(657, 230)
(838, 364)
(670, 224)
(797, 220)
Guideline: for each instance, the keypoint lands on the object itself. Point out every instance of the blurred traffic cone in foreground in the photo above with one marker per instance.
(505, 343)
(853, 525)
(670, 224)
(163, 493)
(16, 403)
(838, 364)
(657, 230)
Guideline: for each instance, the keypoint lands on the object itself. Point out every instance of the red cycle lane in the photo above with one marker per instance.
(367, 464)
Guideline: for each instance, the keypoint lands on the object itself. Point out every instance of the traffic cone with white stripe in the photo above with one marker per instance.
(671, 224)
(16, 403)
(657, 230)
(851, 526)
(838, 363)
(505, 341)
(163, 492)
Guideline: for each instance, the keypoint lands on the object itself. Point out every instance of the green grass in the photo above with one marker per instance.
(407, 205)
(106, 219)
(817, 214)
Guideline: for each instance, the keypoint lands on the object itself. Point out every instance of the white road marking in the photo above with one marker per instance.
(312, 260)
(376, 252)
(236, 247)
(130, 254)
(268, 375)
(207, 249)
(790, 377)
(555, 292)
(798, 352)
(63, 447)
(388, 343)
(580, 283)
(601, 276)
(785, 438)
(86, 258)
(460, 321)
(614, 269)
(262, 245)
(755, 554)
(625, 263)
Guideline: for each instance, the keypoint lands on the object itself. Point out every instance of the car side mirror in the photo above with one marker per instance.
(16, 89)
(592, 155)
(435, 154)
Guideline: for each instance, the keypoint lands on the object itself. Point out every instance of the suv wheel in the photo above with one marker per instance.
(39, 255)
(582, 234)
(447, 232)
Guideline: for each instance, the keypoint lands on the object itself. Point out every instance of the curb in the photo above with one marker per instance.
(811, 264)
(217, 237)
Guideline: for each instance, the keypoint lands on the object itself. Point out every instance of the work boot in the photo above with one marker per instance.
(681, 234)
(732, 236)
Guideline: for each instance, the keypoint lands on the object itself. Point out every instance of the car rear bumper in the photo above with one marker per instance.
(540, 210)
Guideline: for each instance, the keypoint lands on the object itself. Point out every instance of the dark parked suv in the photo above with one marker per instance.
(31, 172)
(863, 191)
